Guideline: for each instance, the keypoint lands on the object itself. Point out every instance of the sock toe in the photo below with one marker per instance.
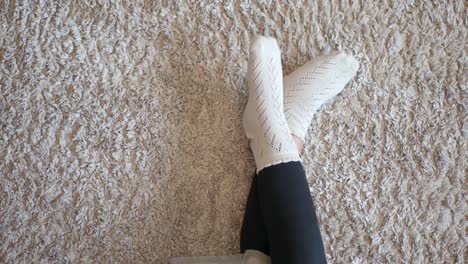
(347, 63)
(260, 44)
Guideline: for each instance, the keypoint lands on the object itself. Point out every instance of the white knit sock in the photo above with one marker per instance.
(264, 121)
(310, 86)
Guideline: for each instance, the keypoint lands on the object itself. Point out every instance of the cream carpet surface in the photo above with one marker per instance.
(121, 137)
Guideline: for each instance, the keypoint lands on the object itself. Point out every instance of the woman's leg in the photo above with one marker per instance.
(283, 196)
(289, 215)
(253, 232)
(266, 127)
(280, 218)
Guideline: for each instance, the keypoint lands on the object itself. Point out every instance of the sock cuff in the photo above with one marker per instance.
(279, 158)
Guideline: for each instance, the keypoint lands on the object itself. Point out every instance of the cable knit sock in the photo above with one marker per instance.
(264, 121)
(310, 86)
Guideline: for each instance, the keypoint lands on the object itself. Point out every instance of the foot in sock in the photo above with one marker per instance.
(264, 121)
(310, 86)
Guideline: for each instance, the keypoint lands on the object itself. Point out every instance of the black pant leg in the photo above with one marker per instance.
(253, 232)
(289, 215)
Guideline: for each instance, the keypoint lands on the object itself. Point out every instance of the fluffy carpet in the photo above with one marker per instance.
(121, 137)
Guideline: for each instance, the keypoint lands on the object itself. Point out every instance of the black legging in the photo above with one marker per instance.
(280, 218)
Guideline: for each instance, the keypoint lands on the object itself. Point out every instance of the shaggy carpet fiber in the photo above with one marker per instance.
(121, 137)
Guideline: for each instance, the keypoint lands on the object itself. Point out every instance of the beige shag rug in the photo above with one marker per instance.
(121, 137)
